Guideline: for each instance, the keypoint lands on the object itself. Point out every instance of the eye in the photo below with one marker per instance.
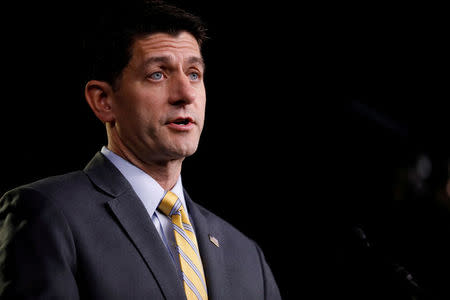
(194, 76)
(156, 76)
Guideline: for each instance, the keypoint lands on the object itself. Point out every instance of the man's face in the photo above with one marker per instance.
(159, 100)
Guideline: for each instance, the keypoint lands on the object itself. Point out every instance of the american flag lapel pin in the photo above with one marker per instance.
(214, 240)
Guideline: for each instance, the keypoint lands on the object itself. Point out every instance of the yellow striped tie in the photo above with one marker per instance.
(190, 262)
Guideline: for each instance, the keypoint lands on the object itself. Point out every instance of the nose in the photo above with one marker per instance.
(181, 90)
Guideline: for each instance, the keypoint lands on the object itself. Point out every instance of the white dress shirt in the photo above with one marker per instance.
(150, 193)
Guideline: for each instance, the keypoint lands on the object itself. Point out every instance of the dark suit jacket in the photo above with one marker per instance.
(86, 235)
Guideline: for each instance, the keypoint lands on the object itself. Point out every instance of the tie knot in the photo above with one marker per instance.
(170, 204)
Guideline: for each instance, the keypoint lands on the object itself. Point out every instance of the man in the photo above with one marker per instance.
(124, 228)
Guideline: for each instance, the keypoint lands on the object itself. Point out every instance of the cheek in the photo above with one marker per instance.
(137, 104)
(202, 109)
(201, 99)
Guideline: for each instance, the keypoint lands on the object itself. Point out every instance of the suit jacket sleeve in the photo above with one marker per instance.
(37, 259)
(271, 291)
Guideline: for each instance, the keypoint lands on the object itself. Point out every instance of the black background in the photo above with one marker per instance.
(314, 115)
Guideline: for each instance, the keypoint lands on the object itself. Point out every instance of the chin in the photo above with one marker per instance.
(183, 151)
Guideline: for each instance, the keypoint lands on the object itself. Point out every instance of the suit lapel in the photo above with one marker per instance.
(212, 255)
(134, 219)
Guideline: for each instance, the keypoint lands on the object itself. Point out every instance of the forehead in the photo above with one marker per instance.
(178, 46)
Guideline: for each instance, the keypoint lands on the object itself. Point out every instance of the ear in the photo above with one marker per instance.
(98, 94)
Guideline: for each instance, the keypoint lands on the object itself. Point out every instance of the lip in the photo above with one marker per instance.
(174, 123)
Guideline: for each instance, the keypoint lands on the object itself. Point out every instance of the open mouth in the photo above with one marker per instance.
(182, 121)
(182, 124)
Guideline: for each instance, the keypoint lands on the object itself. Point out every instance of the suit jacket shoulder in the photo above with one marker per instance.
(38, 246)
(70, 237)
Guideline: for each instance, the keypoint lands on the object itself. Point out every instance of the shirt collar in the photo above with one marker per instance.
(146, 188)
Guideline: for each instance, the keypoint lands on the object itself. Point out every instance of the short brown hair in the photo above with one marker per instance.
(108, 43)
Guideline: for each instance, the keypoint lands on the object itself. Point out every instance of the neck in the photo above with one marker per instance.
(166, 172)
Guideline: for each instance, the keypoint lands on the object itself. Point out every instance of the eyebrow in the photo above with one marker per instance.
(167, 60)
(196, 60)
